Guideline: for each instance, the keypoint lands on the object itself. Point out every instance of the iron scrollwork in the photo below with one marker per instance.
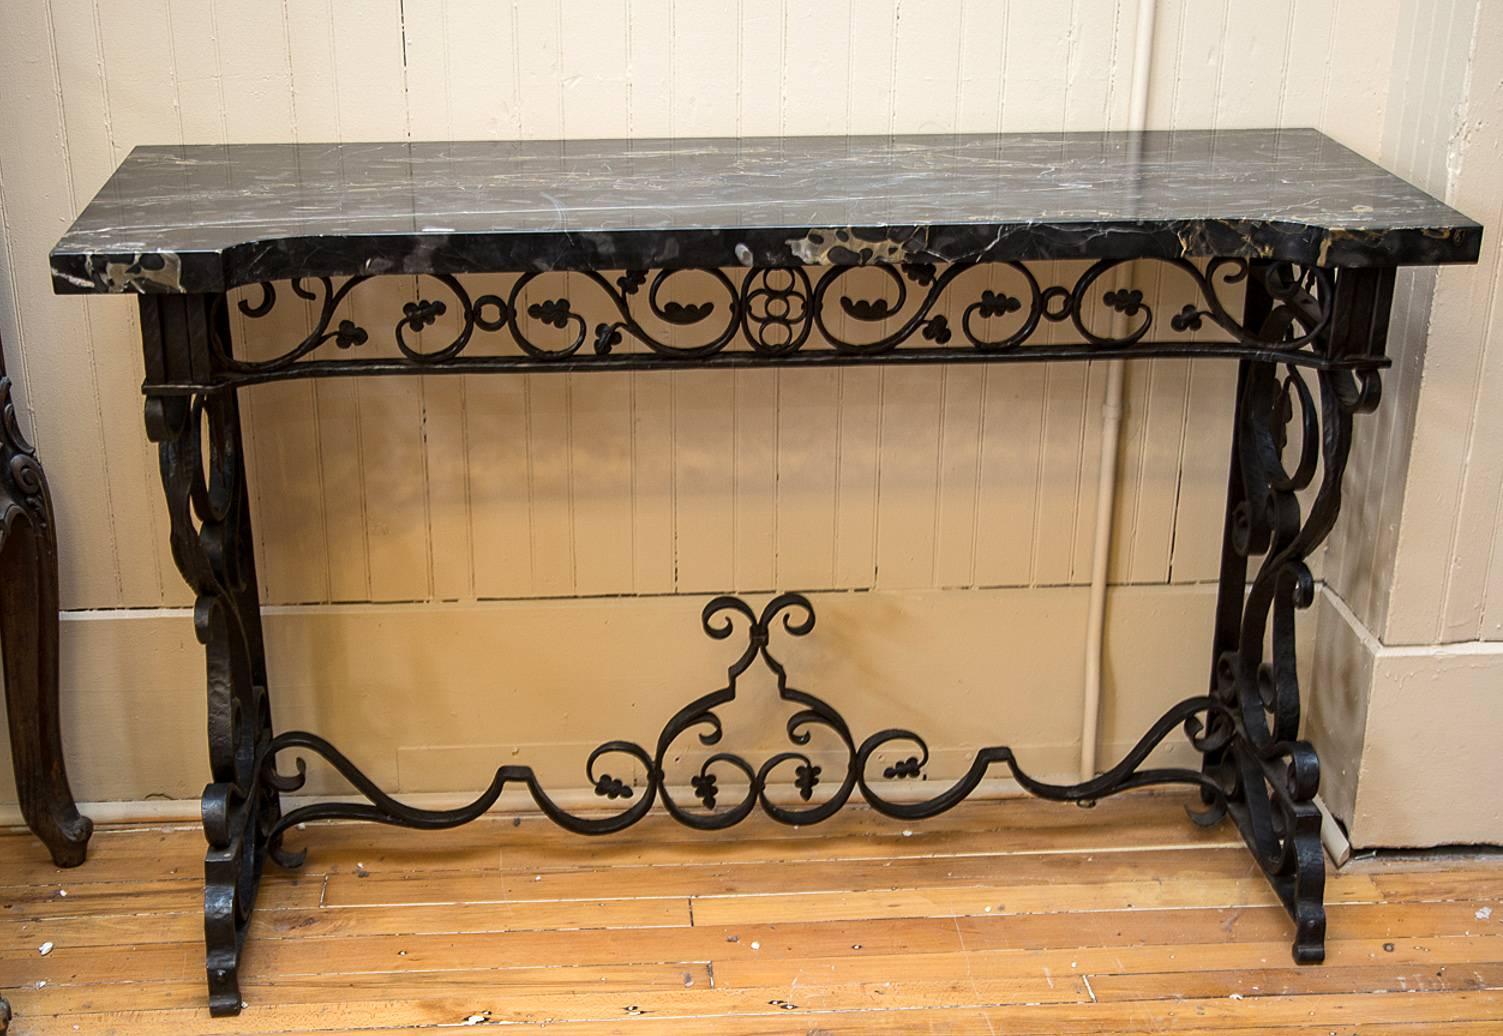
(208, 508)
(775, 313)
(794, 615)
(1252, 746)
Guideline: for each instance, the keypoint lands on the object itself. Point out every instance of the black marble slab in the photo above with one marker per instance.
(208, 218)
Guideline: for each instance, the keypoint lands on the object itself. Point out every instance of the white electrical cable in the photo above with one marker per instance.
(1111, 426)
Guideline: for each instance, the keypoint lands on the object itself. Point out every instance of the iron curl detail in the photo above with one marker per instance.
(796, 767)
(347, 334)
(773, 313)
(1291, 439)
(207, 504)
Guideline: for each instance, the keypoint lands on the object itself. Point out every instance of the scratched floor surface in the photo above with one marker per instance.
(1010, 917)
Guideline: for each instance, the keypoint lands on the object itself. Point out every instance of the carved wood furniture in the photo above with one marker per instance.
(29, 636)
(1307, 233)
(29, 641)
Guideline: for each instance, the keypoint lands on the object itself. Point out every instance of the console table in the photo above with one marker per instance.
(1306, 232)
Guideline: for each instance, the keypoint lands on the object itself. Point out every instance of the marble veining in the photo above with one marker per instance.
(207, 218)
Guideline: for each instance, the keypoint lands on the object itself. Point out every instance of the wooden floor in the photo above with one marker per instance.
(1013, 917)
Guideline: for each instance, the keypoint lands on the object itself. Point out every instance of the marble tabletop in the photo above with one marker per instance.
(207, 218)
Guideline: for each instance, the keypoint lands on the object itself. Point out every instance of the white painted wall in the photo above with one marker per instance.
(1409, 682)
(929, 491)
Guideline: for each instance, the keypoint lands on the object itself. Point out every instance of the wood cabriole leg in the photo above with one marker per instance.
(29, 632)
(208, 507)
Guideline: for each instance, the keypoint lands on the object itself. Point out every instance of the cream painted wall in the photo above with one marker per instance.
(929, 493)
(1409, 673)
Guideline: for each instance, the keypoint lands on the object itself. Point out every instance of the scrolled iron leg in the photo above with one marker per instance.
(211, 543)
(1252, 748)
(29, 632)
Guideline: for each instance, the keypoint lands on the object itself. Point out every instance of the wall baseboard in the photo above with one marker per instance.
(1417, 725)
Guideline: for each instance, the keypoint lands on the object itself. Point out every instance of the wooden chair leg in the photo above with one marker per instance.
(29, 633)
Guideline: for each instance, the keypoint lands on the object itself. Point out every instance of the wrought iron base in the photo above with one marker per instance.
(1210, 723)
(1311, 352)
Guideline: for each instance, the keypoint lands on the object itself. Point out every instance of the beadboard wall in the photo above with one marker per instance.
(408, 529)
(1409, 663)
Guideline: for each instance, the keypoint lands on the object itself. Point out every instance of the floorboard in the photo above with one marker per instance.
(1002, 917)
